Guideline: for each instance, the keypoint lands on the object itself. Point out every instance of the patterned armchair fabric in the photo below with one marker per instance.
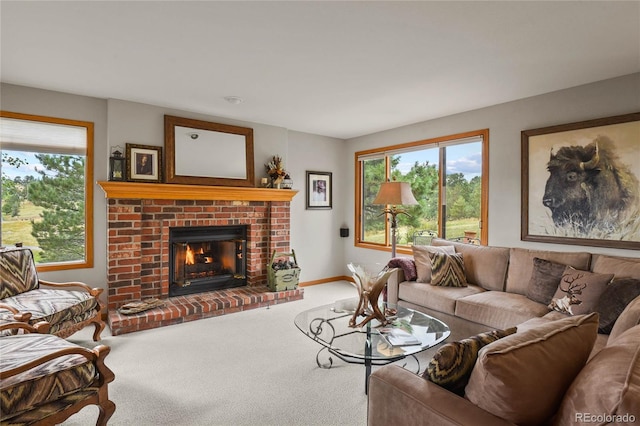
(18, 272)
(68, 307)
(44, 378)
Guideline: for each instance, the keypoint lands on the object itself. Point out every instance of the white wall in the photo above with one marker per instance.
(505, 122)
(28, 100)
(315, 233)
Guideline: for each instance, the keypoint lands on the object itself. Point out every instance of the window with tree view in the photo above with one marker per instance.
(448, 179)
(46, 188)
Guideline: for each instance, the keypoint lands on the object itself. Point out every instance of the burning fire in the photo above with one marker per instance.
(190, 256)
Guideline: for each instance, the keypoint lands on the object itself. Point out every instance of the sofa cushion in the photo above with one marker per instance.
(423, 261)
(579, 291)
(484, 266)
(615, 369)
(18, 272)
(629, 318)
(45, 383)
(55, 306)
(618, 294)
(523, 377)
(545, 279)
(447, 270)
(498, 309)
(441, 299)
(622, 267)
(521, 265)
(451, 365)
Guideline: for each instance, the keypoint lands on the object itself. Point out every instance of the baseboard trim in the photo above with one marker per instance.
(325, 280)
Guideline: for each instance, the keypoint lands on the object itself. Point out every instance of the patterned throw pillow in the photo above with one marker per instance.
(423, 262)
(615, 298)
(447, 270)
(579, 291)
(451, 366)
(544, 281)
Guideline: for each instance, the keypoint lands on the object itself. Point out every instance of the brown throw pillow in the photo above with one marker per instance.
(607, 385)
(617, 295)
(423, 262)
(452, 364)
(544, 281)
(579, 291)
(523, 377)
(447, 270)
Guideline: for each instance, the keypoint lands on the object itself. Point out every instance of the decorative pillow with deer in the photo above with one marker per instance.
(579, 291)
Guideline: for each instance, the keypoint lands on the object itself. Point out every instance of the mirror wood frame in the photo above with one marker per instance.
(170, 123)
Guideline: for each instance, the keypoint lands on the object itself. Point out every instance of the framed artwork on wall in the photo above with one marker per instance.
(319, 190)
(580, 183)
(144, 163)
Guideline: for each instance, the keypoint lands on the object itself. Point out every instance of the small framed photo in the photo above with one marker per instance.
(319, 190)
(144, 163)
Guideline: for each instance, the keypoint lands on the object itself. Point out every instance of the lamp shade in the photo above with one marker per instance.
(396, 194)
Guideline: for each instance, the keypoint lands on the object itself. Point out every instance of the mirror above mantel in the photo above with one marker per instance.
(206, 153)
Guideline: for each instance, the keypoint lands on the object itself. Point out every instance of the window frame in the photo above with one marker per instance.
(88, 261)
(484, 198)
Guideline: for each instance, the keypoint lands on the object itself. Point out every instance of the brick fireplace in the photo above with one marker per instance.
(138, 223)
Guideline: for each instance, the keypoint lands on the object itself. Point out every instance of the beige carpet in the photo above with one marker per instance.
(247, 368)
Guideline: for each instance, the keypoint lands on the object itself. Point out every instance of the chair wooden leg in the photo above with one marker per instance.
(106, 409)
(100, 325)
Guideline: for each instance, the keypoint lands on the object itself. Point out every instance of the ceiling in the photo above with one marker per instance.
(340, 69)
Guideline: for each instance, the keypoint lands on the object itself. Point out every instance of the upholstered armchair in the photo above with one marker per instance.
(44, 379)
(67, 307)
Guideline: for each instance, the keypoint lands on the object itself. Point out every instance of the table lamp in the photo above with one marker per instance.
(394, 194)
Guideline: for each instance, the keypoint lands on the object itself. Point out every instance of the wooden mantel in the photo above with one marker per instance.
(170, 191)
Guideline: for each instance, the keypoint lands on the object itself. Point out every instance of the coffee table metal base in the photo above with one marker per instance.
(316, 329)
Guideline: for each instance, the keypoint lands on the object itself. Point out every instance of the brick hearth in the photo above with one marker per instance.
(198, 306)
(138, 250)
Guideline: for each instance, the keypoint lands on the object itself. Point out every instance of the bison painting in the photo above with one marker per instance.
(589, 188)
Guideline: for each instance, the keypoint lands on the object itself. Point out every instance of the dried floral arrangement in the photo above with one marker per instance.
(275, 169)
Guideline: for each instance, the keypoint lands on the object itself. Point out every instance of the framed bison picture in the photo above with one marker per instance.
(580, 183)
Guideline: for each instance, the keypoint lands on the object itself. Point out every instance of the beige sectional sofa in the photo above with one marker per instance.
(497, 280)
(497, 297)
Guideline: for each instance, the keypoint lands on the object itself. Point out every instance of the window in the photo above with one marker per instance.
(47, 191)
(449, 179)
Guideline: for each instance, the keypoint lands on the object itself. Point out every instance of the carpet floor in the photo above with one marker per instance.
(246, 368)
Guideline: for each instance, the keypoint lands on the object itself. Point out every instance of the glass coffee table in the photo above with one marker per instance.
(328, 325)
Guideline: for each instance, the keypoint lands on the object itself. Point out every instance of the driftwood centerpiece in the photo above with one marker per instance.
(370, 280)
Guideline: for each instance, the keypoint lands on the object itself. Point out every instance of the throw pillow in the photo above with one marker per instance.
(617, 295)
(579, 291)
(544, 281)
(607, 385)
(523, 377)
(451, 365)
(423, 262)
(407, 265)
(447, 270)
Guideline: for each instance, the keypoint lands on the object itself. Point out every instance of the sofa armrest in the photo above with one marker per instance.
(398, 396)
(393, 282)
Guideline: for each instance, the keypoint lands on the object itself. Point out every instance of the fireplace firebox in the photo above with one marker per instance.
(207, 258)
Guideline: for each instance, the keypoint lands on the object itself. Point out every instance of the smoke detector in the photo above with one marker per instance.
(235, 100)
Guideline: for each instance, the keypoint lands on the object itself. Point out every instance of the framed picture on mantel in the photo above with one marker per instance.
(144, 163)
